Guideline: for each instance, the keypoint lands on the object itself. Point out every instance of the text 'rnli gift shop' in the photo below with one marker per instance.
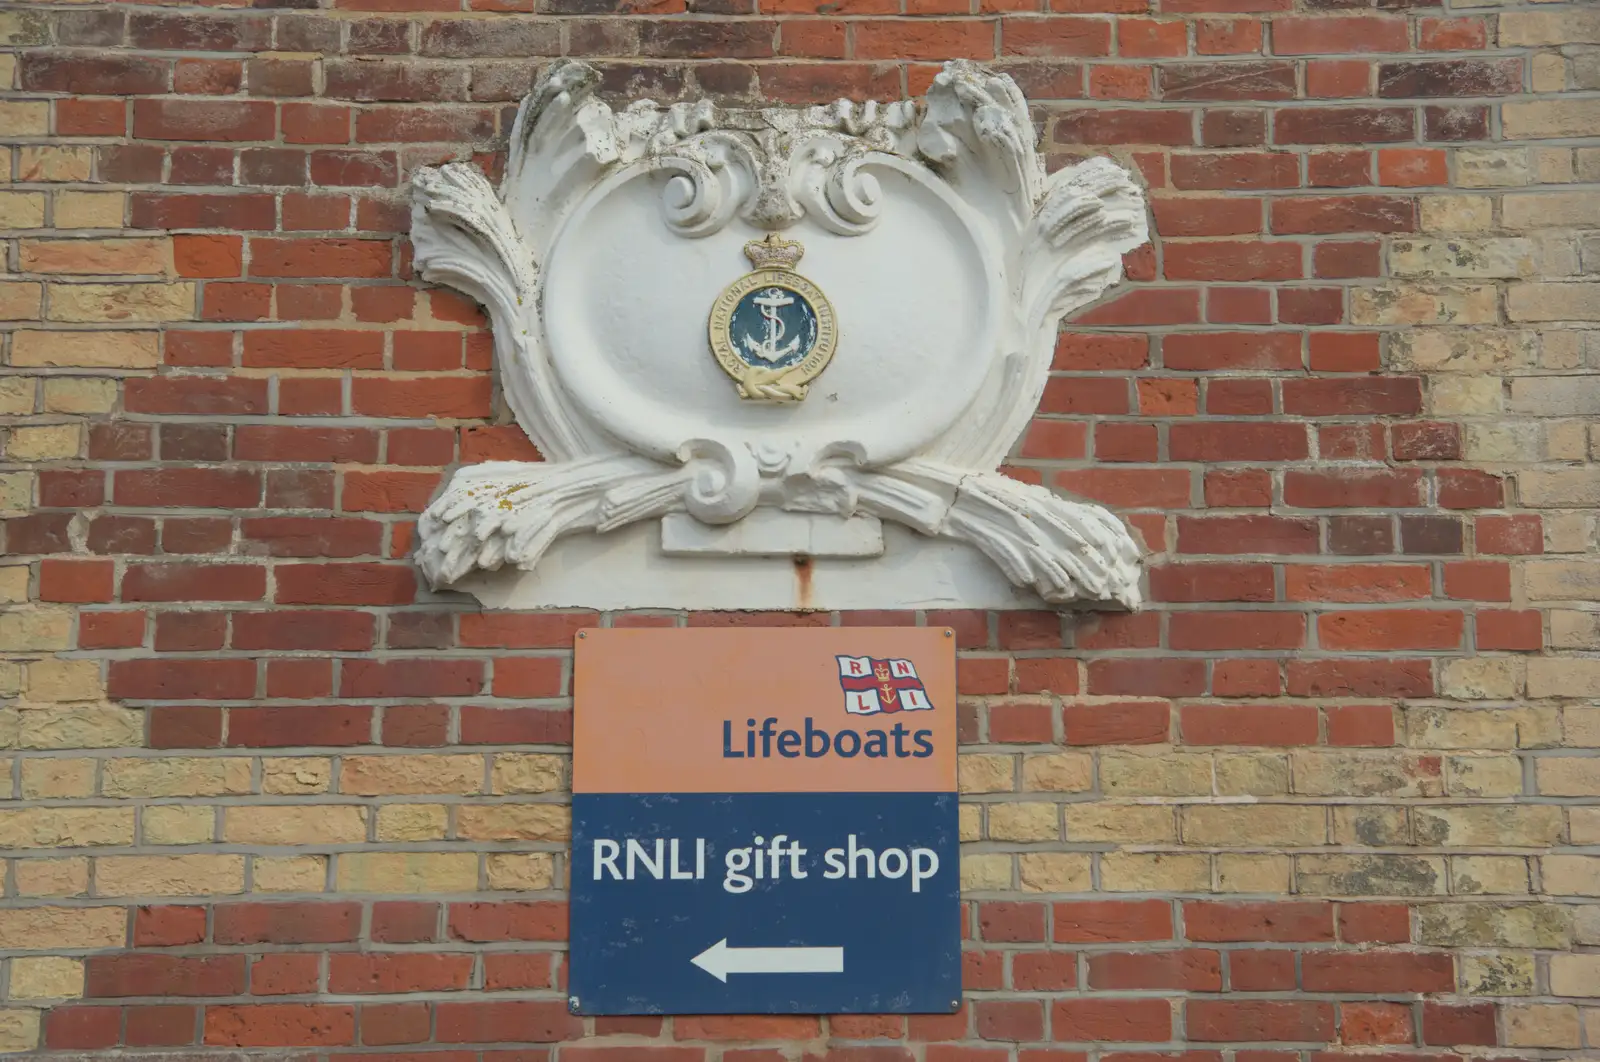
(765, 821)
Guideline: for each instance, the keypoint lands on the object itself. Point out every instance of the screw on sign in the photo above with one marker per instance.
(764, 821)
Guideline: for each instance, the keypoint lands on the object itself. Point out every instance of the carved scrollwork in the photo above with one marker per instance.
(1058, 243)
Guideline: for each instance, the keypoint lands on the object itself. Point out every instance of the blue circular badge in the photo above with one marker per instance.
(772, 327)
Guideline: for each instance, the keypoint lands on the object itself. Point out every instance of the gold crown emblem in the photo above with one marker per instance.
(774, 252)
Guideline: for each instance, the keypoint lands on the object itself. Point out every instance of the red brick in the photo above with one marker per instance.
(1391, 629)
(168, 926)
(526, 1021)
(1111, 921)
(280, 1025)
(1259, 1020)
(1377, 971)
(1187, 970)
(136, 974)
(1345, 33)
(182, 679)
(1008, 922)
(540, 920)
(160, 1026)
(299, 725)
(1248, 724)
(345, 584)
(194, 582)
(1284, 921)
(1099, 1018)
(398, 972)
(287, 923)
(1449, 1025)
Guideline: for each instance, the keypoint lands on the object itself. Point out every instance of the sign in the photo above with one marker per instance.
(764, 822)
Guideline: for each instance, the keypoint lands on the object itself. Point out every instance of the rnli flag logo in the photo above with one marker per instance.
(873, 686)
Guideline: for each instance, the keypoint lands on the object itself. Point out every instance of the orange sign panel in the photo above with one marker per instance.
(765, 710)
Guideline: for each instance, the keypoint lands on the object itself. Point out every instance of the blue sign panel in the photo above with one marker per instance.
(797, 857)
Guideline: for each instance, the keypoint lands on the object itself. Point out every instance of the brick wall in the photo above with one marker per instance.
(1333, 793)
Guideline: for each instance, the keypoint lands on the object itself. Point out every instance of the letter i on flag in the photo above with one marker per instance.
(872, 686)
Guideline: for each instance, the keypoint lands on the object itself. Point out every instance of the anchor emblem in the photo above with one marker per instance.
(767, 349)
(772, 330)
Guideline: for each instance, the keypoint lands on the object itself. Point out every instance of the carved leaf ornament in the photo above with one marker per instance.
(933, 229)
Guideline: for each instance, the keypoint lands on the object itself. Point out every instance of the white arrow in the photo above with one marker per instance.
(719, 960)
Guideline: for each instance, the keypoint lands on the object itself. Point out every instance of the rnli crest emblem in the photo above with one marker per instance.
(772, 330)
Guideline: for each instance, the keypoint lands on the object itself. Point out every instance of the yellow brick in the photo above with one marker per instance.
(1383, 773)
(1059, 772)
(1120, 823)
(140, 255)
(8, 71)
(88, 210)
(1459, 728)
(1254, 873)
(408, 872)
(1029, 821)
(1456, 213)
(1488, 678)
(1252, 774)
(1369, 875)
(19, 301)
(1255, 825)
(64, 680)
(38, 163)
(65, 827)
(23, 27)
(391, 775)
(296, 775)
(80, 727)
(19, 1029)
(1546, 119)
(21, 210)
(122, 302)
(970, 822)
(1573, 975)
(1540, 1025)
(1569, 776)
(62, 928)
(24, 118)
(1417, 304)
(175, 776)
(1483, 776)
(1055, 872)
(537, 772)
(318, 824)
(413, 822)
(1454, 351)
(1488, 875)
(1570, 875)
(1369, 826)
(177, 824)
(985, 774)
(16, 495)
(1477, 925)
(67, 395)
(46, 977)
(985, 872)
(513, 822)
(1154, 872)
(10, 718)
(53, 777)
(44, 442)
(86, 350)
(16, 396)
(289, 873)
(1586, 825)
(1157, 773)
(521, 871)
(1465, 396)
(179, 875)
(51, 877)
(1497, 975)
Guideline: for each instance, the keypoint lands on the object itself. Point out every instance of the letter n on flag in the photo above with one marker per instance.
(872, 685)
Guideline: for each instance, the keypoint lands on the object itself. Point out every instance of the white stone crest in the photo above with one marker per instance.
(950, 258)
